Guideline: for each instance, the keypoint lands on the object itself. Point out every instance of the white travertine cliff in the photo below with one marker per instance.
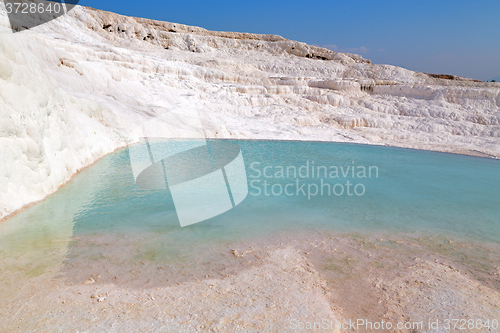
(74, 89)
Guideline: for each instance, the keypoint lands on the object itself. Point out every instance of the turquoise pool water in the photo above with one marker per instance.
(392, 190)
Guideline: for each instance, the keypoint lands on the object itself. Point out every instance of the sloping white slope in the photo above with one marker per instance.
(74, 89)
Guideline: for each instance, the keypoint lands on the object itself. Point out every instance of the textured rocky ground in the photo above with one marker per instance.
(275, 284)
(75, 89)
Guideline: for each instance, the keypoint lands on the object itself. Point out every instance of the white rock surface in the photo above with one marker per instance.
(74, 89)
(267, 297)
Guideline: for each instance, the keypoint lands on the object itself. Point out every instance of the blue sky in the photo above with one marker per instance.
(450, 37)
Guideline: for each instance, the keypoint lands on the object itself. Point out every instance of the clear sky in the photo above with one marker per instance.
(460, 37)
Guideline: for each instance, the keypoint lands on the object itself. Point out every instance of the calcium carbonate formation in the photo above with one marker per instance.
(74, 89)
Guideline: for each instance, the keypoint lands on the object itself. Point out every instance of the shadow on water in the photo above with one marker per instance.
(103, 226)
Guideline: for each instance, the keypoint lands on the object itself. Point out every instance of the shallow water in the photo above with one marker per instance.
(102, 217)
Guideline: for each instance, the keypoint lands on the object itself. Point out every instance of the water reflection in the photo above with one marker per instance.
(103, 226)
